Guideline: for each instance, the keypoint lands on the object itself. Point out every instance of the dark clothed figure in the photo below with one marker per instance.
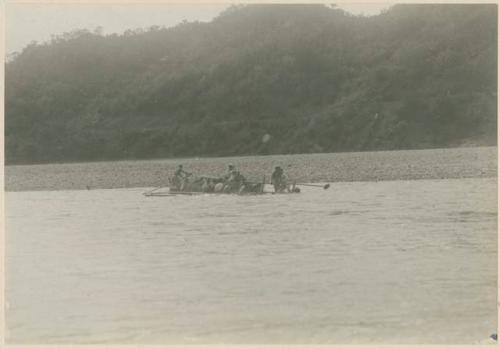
(278, 180)
(180, 178)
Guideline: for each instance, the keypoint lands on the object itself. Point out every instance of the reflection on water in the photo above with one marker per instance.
(367, 262)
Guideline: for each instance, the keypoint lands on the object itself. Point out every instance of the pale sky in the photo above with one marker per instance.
(37, 22)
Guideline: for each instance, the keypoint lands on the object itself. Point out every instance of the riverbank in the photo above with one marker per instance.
(477, 162)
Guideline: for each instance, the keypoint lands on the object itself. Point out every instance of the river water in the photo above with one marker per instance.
(362, 262)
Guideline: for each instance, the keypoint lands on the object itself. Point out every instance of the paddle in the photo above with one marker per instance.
(326, 186)
(151, 191)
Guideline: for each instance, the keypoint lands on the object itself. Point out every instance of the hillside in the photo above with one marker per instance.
(312, 78)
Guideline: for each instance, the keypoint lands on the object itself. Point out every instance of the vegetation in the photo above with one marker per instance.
(259, 79)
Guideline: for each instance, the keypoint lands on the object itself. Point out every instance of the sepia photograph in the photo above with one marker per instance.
(250, 173)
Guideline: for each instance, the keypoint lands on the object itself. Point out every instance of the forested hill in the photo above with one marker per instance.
(311, 78)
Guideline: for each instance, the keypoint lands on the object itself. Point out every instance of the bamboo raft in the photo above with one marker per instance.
(246, 189)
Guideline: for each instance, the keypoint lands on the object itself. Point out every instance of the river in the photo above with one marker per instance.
(403, 261)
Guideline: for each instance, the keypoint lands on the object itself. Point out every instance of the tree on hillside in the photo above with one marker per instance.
(313, 77)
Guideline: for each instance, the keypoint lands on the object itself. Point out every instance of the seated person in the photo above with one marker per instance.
(234, 181)
(208, 185)
(231, 171)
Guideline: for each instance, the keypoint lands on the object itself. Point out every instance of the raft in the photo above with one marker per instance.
(210, 185)
(171, 192)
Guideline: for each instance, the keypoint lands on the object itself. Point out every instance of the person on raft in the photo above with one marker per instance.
(234, 181)
(180, 178)
(231, 172)
(231, 181)
(208, 184)
(278, 180)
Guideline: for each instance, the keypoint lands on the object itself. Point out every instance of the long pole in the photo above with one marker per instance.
(152, 190)
(326, 186)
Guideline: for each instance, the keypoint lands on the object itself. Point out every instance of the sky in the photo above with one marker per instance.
(38, 22)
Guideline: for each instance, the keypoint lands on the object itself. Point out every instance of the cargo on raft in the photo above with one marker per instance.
(213, 185)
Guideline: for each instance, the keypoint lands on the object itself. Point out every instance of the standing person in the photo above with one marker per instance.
(230, 178)
(278, 180)
(181, 173)
(180, 178)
